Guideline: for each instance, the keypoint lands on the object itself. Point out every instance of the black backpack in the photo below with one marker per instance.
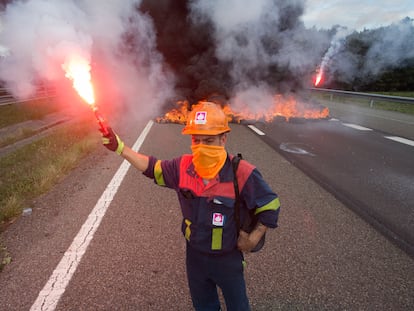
(251, 220)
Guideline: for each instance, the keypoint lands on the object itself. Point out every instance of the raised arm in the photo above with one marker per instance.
(114, 143)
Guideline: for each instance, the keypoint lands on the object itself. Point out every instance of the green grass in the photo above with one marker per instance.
(376, 104)
(32, 110)
(403, 94)
(35, 168)
(19, 134)
(390, 106)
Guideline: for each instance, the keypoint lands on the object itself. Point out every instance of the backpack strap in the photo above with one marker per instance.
(253, 220)
(235, 164)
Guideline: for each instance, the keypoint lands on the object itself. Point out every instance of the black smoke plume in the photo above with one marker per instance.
(237, 49)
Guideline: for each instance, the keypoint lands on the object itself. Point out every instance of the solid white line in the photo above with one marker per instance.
(401, 140)
(56, 285)
(357, 127)
(255, 129)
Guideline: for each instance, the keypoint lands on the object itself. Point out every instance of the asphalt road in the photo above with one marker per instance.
(367, 171)
(322, 257)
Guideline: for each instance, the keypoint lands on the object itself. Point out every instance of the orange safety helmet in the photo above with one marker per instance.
(206, 118)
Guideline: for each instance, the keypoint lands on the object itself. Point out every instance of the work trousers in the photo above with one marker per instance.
(206, 272)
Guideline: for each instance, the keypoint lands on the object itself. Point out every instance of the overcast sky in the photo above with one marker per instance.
(356, 14)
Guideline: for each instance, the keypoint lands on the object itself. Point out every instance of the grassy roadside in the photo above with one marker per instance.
(36, 167)
(377, 104)
(20, 112)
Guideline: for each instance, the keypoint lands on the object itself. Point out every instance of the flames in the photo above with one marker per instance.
(283, 107)
(176, 115)
(79, 71)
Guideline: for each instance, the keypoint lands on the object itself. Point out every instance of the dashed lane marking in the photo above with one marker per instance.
(394, 138)
(401, 140)
(357, 127)
(56, 285)
(255, 129)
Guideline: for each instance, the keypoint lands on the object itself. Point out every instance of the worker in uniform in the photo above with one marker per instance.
(203, 182)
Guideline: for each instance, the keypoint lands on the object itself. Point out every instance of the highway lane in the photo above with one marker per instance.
(363, 167)
(384, 121)
(322, 257)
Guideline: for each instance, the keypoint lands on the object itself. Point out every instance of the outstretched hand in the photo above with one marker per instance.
(113, 142)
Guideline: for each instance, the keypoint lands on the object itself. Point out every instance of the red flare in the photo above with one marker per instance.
(319, 77)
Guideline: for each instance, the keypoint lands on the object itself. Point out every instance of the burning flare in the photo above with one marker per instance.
(79, 71)
(319, 77)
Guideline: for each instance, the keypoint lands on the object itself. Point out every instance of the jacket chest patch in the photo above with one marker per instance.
(218, 219)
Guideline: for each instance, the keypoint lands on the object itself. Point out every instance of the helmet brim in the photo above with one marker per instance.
(187, 131)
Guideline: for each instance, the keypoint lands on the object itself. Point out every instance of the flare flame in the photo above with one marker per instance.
(319, 77)
(79, 71)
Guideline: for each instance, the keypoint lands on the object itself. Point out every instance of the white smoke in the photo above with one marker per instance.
(256, 37)
(40, 35)
(336, 43)
(386, 48)
(391, 46)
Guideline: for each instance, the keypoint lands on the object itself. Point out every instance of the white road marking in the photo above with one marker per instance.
(401, 140)
(295, 148)
(357, 127)
(55, 287)
(255, 129)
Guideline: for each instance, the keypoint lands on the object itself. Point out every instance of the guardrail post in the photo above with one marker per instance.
(371, 104)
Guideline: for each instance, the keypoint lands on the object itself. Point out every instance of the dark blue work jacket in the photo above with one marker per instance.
(208, 209)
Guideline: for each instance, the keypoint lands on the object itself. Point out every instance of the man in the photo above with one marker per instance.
(204, 185)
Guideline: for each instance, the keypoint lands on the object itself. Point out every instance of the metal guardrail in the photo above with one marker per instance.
(372, 97)
(6, 98)
(44, 92)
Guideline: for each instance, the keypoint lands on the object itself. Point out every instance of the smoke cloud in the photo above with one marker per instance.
(242, 50)
(265, 46)
(149, 54)
(114, 36)
(390, 47)
(358, 58)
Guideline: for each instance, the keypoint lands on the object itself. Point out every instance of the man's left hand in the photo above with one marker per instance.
(247, 241)
(244, 243)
